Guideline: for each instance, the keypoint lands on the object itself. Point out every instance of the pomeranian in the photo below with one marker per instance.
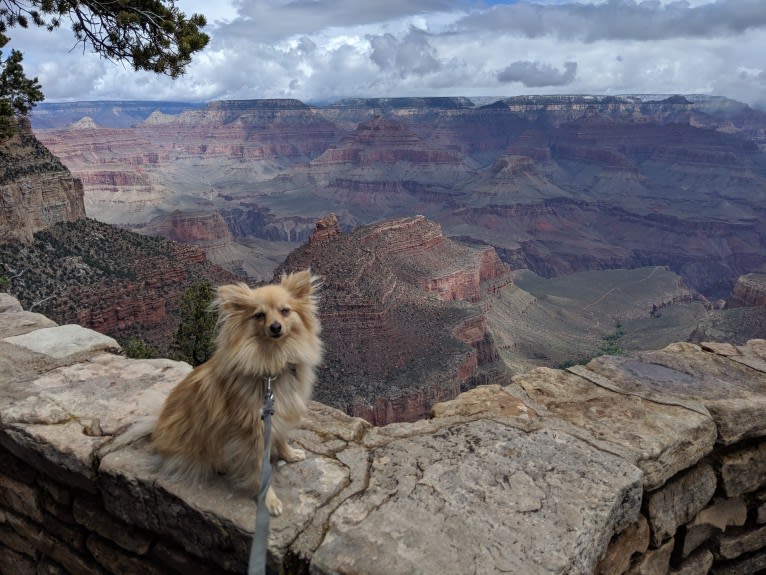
(211, 421)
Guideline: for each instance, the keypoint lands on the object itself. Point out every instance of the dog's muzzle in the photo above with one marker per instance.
(275, 329)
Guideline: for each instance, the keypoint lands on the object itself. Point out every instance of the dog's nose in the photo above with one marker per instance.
(275, 328)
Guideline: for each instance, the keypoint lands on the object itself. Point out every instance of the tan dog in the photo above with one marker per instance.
(211, 422)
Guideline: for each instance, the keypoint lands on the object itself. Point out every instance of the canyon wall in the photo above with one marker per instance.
(555, 184)
(402, 309)
(749, 291)
(36, 189)
(120, 283)
(648, 463)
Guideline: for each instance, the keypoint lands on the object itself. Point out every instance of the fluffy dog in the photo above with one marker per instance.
(211, 421)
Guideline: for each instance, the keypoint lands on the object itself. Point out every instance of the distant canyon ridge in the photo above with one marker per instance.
(556, 184)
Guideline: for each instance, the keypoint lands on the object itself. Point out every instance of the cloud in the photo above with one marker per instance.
(620, 19)
(273, 20)
(324, 49)
(411, 55)
(535, 74)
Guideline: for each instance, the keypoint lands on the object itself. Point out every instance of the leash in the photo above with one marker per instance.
(259, 548)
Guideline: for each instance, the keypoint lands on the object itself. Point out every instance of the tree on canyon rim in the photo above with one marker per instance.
(195, 337)
(151, 35)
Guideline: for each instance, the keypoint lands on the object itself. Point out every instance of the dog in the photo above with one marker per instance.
(211, 421)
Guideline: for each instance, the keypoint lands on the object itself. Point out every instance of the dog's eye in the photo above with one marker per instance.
(259, 315)
(285, 311)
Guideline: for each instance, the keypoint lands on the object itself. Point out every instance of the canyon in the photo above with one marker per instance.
(556, 184)
(464, 250)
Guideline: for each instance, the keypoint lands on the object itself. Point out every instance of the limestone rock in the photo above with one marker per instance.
(475, 497)
(36, 189)
(61, 417)
(633, 540)
(14, 323)
(744, 470)
(733, 545)
(750, 290)
(64, 340)
(697, 564)
(483, 401)
(8, 303)
(654, 562)
(733, 393)
(679, 501)
(660, 439)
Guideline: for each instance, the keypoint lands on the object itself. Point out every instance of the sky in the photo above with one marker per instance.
(322, 50)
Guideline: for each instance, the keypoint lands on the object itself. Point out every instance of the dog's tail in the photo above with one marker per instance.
(136, 431)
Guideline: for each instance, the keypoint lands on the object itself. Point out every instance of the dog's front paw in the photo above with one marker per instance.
(273, 504)
(291, 454)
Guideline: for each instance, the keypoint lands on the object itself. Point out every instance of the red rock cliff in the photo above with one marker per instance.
(749, 291)
(402, 316)
(36, 190)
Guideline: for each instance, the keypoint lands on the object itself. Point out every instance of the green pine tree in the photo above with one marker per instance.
(137, 348)
(195, 338)
(18, 94)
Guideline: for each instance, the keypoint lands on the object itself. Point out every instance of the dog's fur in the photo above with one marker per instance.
(211, 421)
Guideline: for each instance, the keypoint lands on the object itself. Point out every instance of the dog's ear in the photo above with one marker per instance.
(232, 298)
(299, 284)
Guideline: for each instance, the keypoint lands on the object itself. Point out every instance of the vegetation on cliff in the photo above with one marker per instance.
(121, 283)
(195, 338)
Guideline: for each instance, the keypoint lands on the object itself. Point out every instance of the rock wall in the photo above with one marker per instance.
(403, 315)
(749, 291)
(36, 190)
(650, 463)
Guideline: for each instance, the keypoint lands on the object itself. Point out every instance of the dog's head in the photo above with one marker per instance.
(273, 313)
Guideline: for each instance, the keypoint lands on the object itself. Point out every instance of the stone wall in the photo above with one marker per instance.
(649, 463)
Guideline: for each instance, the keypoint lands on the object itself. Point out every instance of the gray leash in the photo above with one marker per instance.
(259, 548)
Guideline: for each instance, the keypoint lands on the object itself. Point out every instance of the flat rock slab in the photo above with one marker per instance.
(482, 497)
(15, 323)
(64, 340)
(660, 439)
(8, 303)
(58, 419)
(732, 392)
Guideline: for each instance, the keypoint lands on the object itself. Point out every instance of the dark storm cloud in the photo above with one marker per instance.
(621, 19)
(536, 74)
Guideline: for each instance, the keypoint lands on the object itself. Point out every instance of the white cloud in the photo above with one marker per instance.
(320, 49)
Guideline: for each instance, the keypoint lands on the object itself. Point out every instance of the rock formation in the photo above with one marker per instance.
(749, 291)
(649, 463)
(556, 184)
(36, 190)
(401, 309)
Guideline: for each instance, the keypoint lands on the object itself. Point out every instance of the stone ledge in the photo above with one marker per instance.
(534, 477)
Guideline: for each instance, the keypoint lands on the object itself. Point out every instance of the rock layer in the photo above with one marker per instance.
(749, 291)
(556, 184)
(36, 190)
(401, 309)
